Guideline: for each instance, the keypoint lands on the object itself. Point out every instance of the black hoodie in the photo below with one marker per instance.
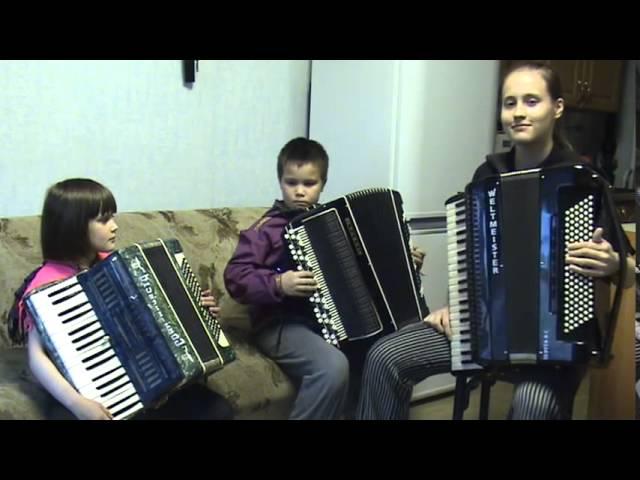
(505, 162)
(498, 163)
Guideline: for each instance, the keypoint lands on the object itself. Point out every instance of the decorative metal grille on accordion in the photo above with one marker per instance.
(130, 331)
(357, 247)
(512, 298)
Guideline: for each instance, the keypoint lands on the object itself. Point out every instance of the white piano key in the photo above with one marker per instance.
(92, 335)
(60, 287)
(112, 364)
(95, 352)
(64, 344)
(97, 390)
(56, 328)
(65, 309)
(129, 411)
(112, 394)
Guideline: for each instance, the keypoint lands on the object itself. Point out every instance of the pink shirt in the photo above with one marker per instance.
(52, 271)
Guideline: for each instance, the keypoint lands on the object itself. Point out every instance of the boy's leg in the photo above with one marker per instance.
(321, 369)
(394, 364)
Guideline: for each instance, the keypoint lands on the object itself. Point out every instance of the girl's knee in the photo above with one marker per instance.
(535, 401)
(380, 357)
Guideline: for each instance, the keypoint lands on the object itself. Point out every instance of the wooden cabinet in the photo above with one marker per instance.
(588, 84)
(611, 388)
(604, 84)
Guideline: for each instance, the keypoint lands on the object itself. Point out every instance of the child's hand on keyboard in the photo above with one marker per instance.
(595, 258)
(297, 283)
(86, 409)
(440, 321)
(418, 257)
(207, 300)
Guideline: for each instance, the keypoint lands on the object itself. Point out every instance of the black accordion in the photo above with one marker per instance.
(130, 331)
(357, 247)
(512, 298)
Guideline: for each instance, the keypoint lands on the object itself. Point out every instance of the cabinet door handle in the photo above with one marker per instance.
(587, 90)
(581, 88)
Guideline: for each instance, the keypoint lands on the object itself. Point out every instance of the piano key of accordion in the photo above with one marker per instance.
(74, 325)
(123, 403)
(81, 367)
(459, 319)
(58, 291)
(68, 305)
(104, 374)
(458, 280)
(110, 386)
(115, 392)
(88, 353)
(79, 340)
(127, 410)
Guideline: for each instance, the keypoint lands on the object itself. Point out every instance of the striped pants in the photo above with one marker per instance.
(395, 363)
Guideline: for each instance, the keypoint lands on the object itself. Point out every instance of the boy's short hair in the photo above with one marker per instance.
(68, 207)
(304, 150)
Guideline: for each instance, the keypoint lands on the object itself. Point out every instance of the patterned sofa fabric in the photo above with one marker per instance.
(21, 397)
(253, 384)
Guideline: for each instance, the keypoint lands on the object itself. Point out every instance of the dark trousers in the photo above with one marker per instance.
(193, 402)
(320, 370)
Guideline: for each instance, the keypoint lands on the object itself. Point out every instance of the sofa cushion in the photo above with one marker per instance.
(253, 384)
(21, 397)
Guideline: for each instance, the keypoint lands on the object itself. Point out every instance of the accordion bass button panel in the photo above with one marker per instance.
(194, 285)
(579, 294)
(324, 310)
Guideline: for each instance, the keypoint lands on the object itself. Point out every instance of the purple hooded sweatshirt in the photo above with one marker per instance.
(250, 275)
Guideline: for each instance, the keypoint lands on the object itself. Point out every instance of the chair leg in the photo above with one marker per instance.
(460, 399)
(485, 392)
(570, 412)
